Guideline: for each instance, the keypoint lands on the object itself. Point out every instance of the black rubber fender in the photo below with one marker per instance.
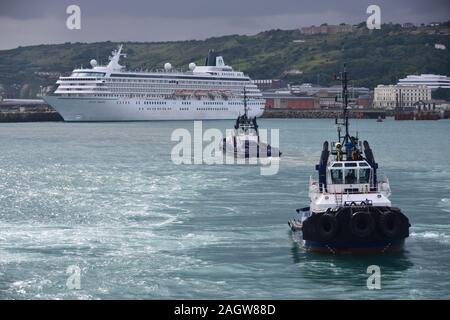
(362, 224)
(389, 224)
(327, 226)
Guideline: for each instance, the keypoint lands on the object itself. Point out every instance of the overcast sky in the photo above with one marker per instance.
(25, 22)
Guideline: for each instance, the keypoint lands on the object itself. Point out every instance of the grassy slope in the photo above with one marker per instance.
(373, 57)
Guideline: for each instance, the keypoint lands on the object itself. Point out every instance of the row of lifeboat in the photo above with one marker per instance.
(199, 94)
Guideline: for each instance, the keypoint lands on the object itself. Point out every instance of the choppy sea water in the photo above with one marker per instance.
(106, 198)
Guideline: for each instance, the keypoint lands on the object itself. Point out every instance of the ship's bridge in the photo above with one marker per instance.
(349, 182)
(349, 176)
(86, 73)
(215, 66)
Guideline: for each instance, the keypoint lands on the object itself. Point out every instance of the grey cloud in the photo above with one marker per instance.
(25, 9)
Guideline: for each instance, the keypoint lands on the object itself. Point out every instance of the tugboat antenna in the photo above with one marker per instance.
(344, 82)
(245, 102)
(345, 101)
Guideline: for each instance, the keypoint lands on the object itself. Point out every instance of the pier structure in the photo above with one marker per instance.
(27, 110)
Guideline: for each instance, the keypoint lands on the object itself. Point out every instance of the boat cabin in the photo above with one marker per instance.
(349, 177)
(246, 127)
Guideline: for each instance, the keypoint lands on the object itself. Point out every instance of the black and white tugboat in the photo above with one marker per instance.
(350, 210)
(245, 141)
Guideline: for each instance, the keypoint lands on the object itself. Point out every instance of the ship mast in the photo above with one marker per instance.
(348, 145)
(344, 83)
(345, 101)
(245, 104)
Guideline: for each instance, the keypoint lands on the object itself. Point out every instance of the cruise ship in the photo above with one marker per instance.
(111, 93)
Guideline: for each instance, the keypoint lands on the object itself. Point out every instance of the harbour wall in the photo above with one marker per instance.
(43, 112)
(325, 113)
(32, 116)
(22, 110)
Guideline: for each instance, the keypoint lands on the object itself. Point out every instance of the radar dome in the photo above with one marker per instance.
(167, 66)
(192, 66)
(93, 63)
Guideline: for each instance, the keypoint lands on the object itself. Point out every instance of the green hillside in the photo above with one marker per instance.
(373, 56)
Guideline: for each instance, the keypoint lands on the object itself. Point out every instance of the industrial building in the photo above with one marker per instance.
(285, 100)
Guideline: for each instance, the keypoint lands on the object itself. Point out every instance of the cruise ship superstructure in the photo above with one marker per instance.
(432, 81)
(111, 93)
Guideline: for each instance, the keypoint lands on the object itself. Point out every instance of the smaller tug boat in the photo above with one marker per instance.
(350, 210)
(245, 141)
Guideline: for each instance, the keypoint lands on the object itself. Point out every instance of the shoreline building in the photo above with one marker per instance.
(327, 95)
(285, 100)
(269, 84)
(432, 81)
(325, 29)
(392, 96)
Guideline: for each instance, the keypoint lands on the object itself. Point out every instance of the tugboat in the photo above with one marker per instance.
(350, 210)
(245, 142)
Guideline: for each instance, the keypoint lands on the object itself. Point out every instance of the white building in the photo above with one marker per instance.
(432, 81)
(391, 96)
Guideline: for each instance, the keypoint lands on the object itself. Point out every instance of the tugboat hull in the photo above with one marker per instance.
(353, 229)
(352, 248)
(248, 147)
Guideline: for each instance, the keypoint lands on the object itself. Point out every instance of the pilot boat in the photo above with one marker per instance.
(350, 210)
(245, 142)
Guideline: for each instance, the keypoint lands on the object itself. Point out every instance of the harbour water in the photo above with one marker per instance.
(106, 198)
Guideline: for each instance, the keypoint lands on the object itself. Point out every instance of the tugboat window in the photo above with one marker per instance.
(336, 176)
(350, 176)
(337, 165)
(364, 175)
(351, 164)
(363, 164)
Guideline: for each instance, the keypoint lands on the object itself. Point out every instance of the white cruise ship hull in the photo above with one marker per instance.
(86, 109)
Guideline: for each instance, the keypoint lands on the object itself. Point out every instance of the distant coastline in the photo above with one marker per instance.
(290, 55)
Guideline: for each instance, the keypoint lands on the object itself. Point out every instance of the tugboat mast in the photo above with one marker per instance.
(245, 103)
(345, 100)
(344, 83)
